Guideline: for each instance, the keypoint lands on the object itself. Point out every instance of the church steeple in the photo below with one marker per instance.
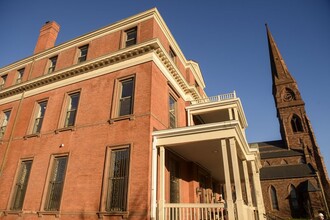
(291, 113)
(295, 127)
(280, 71)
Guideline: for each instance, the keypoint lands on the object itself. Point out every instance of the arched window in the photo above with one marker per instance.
(293, 197)
(296, 124)
(273, 197)
(284, 162)
(266, 164)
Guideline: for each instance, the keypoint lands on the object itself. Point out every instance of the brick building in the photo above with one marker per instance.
(116, 124)
(294, 179)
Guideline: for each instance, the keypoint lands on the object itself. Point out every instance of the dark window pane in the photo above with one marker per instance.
(174, 182)
(172, 112)
(39, 117)
(21, 185)
(72, 109)
(118, 180)
(131, 37)
(125, 106)
(273, 196)
(83, 53)
(56, 184)
(126, 98)
(4, 123)
(52, 64)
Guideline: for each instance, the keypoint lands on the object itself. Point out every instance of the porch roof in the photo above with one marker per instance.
(201, 144)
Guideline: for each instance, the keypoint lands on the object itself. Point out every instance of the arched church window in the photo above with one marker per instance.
(284, 162)
(288, 95)
(273, 198)
(296, 124)
(266, 164)
(293, 197)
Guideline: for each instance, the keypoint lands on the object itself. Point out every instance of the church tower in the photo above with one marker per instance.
(295, 127)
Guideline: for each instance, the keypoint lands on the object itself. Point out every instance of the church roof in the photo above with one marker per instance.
(286, 171)
(276, 149)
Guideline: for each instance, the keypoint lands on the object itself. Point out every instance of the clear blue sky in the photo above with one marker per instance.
(227, 38)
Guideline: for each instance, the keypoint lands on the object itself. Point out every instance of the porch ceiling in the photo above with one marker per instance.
(207, 154)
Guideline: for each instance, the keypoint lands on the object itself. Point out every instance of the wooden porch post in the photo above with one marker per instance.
(248, 188)
(229, 197)
(161, 204)
(258, 192)
(237, 179)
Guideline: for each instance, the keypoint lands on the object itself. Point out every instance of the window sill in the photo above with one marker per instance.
(55, 213)
(124, 215)
(12, 212)
(125, 117)
(70, 128)
(31, 136)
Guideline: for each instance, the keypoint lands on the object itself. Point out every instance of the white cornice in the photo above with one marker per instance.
(84, 38)
(233, 125)
(148, 51)
(78, 69)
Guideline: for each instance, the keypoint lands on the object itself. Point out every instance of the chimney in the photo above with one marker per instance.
(47, 36)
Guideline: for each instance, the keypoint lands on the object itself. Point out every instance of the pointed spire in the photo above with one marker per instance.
(280, 71)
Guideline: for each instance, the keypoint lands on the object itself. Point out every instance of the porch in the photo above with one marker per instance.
(219, 178)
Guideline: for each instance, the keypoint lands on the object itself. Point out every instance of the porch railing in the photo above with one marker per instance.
(217, 98)
(194, 211)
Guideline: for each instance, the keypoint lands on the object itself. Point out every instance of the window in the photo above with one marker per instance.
(293, 197)
(273, 197)
(21, 185)
(3, 81)
(56, 182)
(172, 54)
(117, 187)
(126, 97)
(52, 64)
(131, 37)
(5, 119)
(20, 74)
(172, 112)
(296, 124)
(83, 53)
(72, 107)
(40, 113)
(174, 169)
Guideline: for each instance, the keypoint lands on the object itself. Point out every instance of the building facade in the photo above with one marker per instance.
(294, 179)
(115, 124)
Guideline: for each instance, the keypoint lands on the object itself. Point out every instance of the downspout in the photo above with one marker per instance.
(11, 135)
(153, 210)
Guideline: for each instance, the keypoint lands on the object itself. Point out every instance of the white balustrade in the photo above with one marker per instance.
(217, 98)
(194, 211)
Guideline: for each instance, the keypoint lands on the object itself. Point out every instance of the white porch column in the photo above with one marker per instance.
(247, 182)
(237, 179)
(235, 114)
(161, 183)
(229, 197)
(230, 111)
(258, 191)
(248, 189)
(154, 169)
